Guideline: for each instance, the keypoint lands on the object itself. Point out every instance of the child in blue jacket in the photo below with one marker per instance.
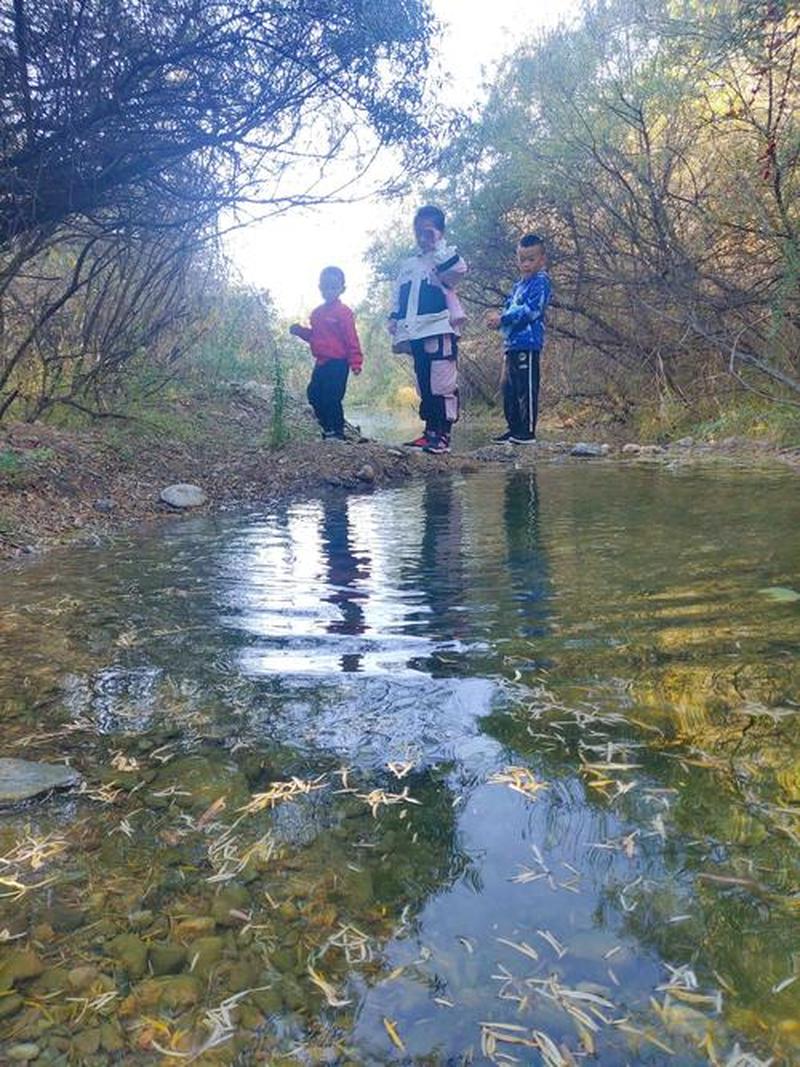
(522, 323)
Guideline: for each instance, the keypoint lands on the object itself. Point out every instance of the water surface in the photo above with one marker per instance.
(543, 733)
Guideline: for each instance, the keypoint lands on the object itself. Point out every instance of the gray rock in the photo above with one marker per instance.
(104, 504)
(582, 448)
(366, 473)
(23, 1053)
(684, 442)
(631, 449)
(22, 779)
(183, 495)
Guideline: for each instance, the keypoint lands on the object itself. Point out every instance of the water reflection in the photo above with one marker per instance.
(347, 574)
(601, 631)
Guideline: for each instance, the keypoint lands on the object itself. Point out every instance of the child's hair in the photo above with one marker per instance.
(530, 240)
(433, 214)
(334, 273)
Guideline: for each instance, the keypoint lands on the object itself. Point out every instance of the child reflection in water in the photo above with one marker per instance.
(346, 573)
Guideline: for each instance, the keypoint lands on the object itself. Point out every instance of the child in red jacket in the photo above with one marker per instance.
(336, 350)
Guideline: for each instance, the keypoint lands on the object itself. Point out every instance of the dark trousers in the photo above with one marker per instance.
(325, 394)
(437, 384)
(521, 392)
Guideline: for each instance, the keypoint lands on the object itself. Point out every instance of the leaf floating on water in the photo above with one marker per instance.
(553, 942)
(781, 594)
(523, 947)
(391, 1030)
(378, 797)
(520, 779)
(400, 768)
(280, 791)
(329, 991)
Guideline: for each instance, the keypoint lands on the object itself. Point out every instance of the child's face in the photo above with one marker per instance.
(530, 260)
(331, 288)
(426, 234)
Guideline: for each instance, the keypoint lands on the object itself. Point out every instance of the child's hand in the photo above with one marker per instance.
(356, 370)
(295, 329)
(492, 319)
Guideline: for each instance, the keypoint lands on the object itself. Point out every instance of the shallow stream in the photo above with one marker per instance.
(492, 768)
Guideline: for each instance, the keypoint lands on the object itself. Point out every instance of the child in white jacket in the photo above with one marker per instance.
(424, 322)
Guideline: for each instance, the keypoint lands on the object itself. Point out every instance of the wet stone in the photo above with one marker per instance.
(19, 966)
(131, 954)
(204, 954)
(183, 495)
(23, 1053)
(64, 920)
(180, 991)
(87, 1042)
(23, 779)
(587, 450)
(195, 926)
(10, 1005)
(167, 959)
(80, 978)
(233, 898)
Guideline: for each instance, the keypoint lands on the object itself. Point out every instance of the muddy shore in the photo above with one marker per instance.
(62, 486)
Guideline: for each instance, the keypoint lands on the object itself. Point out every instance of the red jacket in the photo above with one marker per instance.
(333, 334)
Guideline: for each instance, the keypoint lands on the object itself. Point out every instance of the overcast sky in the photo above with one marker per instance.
(286, 254)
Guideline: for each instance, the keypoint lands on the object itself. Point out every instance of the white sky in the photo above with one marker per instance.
(286, 254)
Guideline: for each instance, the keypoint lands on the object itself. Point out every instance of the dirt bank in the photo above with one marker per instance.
(59, 485)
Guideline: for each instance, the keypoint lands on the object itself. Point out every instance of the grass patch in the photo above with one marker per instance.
(752, 418)
(18, 468)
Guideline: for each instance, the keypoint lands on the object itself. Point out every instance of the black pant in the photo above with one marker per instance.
(437, 384)
(325, 394)
(521, 392)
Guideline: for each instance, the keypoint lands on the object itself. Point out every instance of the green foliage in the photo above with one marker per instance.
(278, 428)
(660, 163)
(18, 469)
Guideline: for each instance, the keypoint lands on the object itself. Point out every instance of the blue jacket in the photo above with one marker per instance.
(522, 321)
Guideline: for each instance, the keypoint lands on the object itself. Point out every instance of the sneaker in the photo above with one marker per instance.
(502, 438)
(439, 444)
(419, 442)
(522, 439)
(332, 435)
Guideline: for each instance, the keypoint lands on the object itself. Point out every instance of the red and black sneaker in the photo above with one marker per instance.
(419, 442)
(439, 444)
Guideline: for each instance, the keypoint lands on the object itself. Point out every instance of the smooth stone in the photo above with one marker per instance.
(205, 780)
(631, 449)
(204, 954)
(10, 1005)
(23, 1053)
(583, 448)
(140, 920)
(685, 442)
(104, 504)
(131, 953)
(196, 926)
(366, 473)
(167, 959)
(19, 966)
(80, 978)
(87, 1042)
(183, 495)
(231, 898)
(21, 779)
(111, 1037)
(179, 991)
(64, 920)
